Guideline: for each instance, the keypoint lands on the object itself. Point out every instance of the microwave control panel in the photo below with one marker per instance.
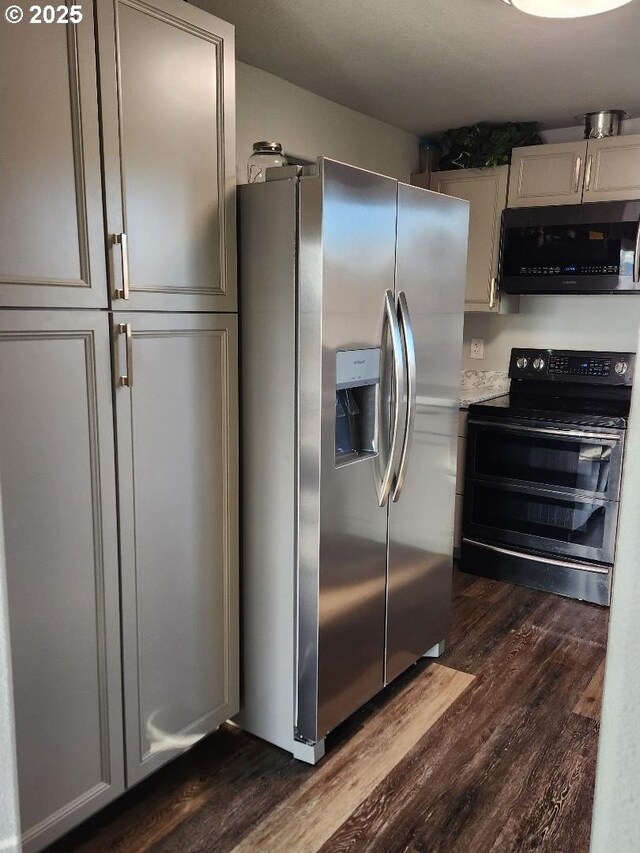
(609, 368)
(576, 269)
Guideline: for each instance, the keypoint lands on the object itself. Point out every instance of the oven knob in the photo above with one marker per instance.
(522, 362)
(538, 363)
(621, 367)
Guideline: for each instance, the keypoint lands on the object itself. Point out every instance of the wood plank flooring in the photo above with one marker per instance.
(303, 822)
(589, 703)
(490, 750)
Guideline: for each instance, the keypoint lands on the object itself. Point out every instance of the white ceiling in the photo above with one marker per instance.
(427, 65)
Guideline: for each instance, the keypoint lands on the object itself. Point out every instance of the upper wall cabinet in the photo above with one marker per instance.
(486, 191)
(51, 228)
(576, 172)
(547, 174)
(167, 83)
(613, 169)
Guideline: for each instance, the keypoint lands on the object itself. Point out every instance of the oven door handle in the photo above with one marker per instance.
(563, 433)
(509, 552)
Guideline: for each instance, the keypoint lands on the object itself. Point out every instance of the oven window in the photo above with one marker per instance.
(561, 250)
(566, 463)
(561, 519)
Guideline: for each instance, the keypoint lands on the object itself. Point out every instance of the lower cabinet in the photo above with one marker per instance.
(59, 501)
(158, 638)
(178, 476)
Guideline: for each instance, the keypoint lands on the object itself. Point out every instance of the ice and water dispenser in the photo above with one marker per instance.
(357, 381)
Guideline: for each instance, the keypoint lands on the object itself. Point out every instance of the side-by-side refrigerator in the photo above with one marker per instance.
(352, 293)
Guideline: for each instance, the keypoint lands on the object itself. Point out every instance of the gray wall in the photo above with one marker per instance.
(572, 322)
(563, 322)
(308, 126)
(616, 819)
(9, 827)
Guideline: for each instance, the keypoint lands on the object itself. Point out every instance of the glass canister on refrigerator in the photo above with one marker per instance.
(265, 156)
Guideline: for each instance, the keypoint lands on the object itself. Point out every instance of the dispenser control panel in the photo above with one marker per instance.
(357, 367)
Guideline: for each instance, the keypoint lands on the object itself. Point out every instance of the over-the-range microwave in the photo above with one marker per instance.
(577, 248)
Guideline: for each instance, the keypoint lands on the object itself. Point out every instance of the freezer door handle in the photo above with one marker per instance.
(410, 353)
(399, 384)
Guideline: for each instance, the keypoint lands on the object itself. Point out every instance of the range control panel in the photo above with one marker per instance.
(578, 366)
(604, 368)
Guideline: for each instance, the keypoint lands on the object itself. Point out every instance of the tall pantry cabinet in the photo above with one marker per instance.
(118, 397)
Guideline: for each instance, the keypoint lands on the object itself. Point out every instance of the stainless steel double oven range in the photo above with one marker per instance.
(543, 473)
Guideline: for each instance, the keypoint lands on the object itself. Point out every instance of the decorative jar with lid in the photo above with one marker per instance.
(265, 156)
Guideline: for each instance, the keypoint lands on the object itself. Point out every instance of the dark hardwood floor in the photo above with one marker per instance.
(504, 763)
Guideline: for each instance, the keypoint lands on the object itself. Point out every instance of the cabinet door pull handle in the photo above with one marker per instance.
(576, 175)
(492, 292)
(126, 380)
(121, 240)
(587, 177)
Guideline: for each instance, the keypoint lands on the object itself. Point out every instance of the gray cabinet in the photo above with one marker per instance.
(51, 228)
(486, 192)
(166, 182)
(167, 94)
(576, 172)
(177, 468)
(59, 502)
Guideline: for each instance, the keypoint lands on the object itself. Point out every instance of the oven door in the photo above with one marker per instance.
(577, 526)
(548, 455)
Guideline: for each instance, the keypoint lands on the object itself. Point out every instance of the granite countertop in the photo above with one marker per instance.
(479, 385)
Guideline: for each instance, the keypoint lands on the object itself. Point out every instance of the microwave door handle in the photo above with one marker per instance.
(410, 351)
(636, 257)
(391, 323)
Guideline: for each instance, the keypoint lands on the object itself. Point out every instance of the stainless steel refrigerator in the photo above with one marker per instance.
(352, 293)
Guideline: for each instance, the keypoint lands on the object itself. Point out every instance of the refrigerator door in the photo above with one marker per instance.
(430, 282)
(346, 259)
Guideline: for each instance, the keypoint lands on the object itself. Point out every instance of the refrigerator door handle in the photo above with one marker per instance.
(410, 350)
(391, 323)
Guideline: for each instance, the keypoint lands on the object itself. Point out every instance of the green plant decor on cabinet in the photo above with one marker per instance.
(482, 145)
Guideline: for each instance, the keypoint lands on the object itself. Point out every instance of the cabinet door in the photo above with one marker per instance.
(58, 490)
(486, 190)
(51, 228)
(167, 95)
(547, 174)
(177, 464)
(613, 169)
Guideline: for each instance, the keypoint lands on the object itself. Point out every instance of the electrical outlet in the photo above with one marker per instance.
(477, 348)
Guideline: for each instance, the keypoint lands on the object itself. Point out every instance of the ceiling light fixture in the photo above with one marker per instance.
(565, 8)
